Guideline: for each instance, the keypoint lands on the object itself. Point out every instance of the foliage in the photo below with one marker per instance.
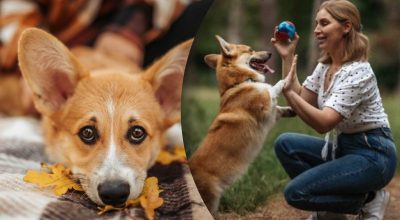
(56, 177)
(379, 20)
(176, 154)
(150, 199)
(59, 178)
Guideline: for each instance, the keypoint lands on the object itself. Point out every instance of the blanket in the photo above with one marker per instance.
(22, 148)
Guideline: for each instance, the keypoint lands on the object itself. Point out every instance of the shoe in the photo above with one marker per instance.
(375, 209)
(327, 216)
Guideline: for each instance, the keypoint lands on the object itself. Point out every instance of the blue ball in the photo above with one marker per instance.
(286, 29)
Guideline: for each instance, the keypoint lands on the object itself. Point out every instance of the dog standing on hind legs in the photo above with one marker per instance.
(248, 110)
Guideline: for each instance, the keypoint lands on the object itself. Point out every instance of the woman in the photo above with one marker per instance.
(346, 172)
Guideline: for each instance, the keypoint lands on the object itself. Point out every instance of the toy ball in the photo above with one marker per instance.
(286, 30)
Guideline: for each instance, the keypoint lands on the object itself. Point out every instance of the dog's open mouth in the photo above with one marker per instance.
(261, 65)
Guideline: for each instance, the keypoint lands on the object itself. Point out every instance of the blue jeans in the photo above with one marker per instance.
(365, 162)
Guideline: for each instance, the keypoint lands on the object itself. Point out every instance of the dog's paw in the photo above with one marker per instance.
(281, 84)
(286, 111)
(277, 88)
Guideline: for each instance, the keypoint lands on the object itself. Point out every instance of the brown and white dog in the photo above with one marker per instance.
(248, 110)
(107, 125)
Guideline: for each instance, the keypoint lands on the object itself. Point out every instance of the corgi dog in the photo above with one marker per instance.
(248, 110)
(107, 125)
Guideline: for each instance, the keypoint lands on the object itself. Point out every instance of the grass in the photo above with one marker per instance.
(265, 176)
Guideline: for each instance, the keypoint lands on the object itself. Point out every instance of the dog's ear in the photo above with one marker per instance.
(212, 60)
(166, 78)
(49, 68)
(225, 46)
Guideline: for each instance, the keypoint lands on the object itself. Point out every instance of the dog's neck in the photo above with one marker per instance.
(233, 91)
(249, 80)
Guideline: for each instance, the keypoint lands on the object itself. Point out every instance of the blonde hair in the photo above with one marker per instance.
(356, 44)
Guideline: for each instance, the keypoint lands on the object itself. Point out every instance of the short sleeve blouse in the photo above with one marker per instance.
(353, 93)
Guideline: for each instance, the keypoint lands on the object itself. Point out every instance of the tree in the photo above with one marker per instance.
(234, 23)
(268, 17)
(313, 49)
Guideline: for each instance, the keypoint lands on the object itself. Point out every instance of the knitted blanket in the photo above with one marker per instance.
(21, 148)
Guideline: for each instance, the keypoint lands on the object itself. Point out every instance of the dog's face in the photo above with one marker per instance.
(107, 126)
(109, 132)
(238, 63)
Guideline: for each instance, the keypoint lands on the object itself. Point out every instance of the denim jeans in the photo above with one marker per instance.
(365, 162)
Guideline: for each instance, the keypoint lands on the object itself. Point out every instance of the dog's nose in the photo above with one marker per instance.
(266, 55)
(269, 55)
(113, 192)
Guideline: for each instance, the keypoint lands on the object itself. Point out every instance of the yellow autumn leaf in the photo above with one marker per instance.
(132, 202)
(149, 199)
(167, 157)
(59, 177)
(56, 176)
(108, 208)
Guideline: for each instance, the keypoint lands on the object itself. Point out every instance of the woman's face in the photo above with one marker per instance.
(328, 31)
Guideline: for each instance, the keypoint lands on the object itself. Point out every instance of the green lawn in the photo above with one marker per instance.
(265, 176)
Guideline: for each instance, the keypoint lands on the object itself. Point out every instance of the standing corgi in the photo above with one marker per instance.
(248, 110)
(107, 125)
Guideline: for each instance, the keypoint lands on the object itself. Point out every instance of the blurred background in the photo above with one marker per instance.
(252, 23)
(135, 31)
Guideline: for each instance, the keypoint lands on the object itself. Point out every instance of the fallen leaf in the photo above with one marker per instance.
(167, 157)
(108, 208)
(149, 199)
(180, 151)
(57, 177)
(132, 202)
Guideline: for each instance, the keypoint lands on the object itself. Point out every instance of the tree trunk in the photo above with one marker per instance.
(313, 52)
(393, 7)
(268, 16)
(234, 23)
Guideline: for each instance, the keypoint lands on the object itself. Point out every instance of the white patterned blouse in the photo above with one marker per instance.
(353, 93)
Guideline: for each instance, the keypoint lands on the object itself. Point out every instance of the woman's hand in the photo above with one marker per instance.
(305, 104)
(285, 49)
(291, 77)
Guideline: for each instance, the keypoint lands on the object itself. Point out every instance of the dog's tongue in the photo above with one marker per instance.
(268, 69)
(261, 66)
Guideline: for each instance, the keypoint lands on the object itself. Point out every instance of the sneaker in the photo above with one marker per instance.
(375, 209)
(327, 216)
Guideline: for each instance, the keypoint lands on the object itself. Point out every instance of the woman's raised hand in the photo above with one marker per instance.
(291, 77)
(285, 49)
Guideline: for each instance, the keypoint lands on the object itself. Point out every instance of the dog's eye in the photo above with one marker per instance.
(88, 134)
(136, 135)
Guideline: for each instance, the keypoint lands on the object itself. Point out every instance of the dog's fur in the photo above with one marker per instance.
(248, 110)
(109, 102)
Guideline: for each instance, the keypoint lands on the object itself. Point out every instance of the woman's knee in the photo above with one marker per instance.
(295, 195)
(282, 143)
